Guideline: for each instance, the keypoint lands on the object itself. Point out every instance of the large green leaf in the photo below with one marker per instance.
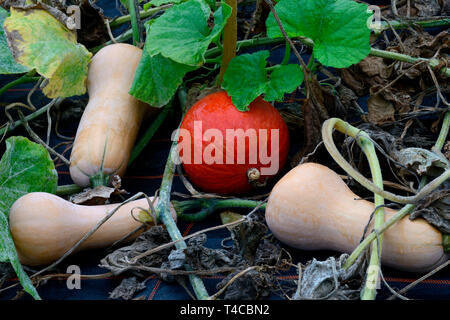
(182, 32)
(25, 167)
(247, 77)
(40, 41)
(337, 27)
(157, 77)
(7, 63)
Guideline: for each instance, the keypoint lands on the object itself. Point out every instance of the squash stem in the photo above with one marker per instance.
(229, 40)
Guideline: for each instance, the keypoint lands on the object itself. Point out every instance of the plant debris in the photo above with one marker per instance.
(119, 261)
(328, 280)
(435, 209)
(127, 289)
(98, 195)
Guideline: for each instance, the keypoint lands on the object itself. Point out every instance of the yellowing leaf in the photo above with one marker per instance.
(40, 41)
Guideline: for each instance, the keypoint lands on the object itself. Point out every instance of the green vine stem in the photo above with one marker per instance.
(164, 213)
(26, 78)
(406, 209)
(68, 189)
(229, 40)
(133, 8)
(372, 236)
(442, 138)
(369, 291)
(142, 14)
(405, 58)
(31, 116)
(404, 24)
(287, 53)
(149, 133)
(204, 207)
(373, 52)
(367, 146)
(327, 136)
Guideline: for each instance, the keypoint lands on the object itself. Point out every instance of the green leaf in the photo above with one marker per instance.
(182, 32)
(337, 27)
(7, 63)
(25, 167)
(157, 78)
(285, 78)
(157, 3)
(39, 41)
(246, 78)
(8, 254)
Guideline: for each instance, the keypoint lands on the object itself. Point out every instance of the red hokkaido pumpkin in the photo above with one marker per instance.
(219, 144)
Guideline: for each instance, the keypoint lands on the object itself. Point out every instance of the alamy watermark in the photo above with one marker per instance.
(74, 20)
(73, 281)
(237, 146)
(374, 22)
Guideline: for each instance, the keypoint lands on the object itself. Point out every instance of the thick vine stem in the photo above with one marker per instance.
(204, 207)
(142, 14)
(372, 236)
(342, 126)
(406, 209)
(163, 211)
(133, 7)
(68, 189)
(369, 291)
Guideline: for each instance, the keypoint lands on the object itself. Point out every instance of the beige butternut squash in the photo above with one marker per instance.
(311, 208)
(44, 226)
(110, 123)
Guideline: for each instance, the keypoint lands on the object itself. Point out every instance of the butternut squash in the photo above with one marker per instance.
(44, 226)
(110, 123)
(311, 208)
